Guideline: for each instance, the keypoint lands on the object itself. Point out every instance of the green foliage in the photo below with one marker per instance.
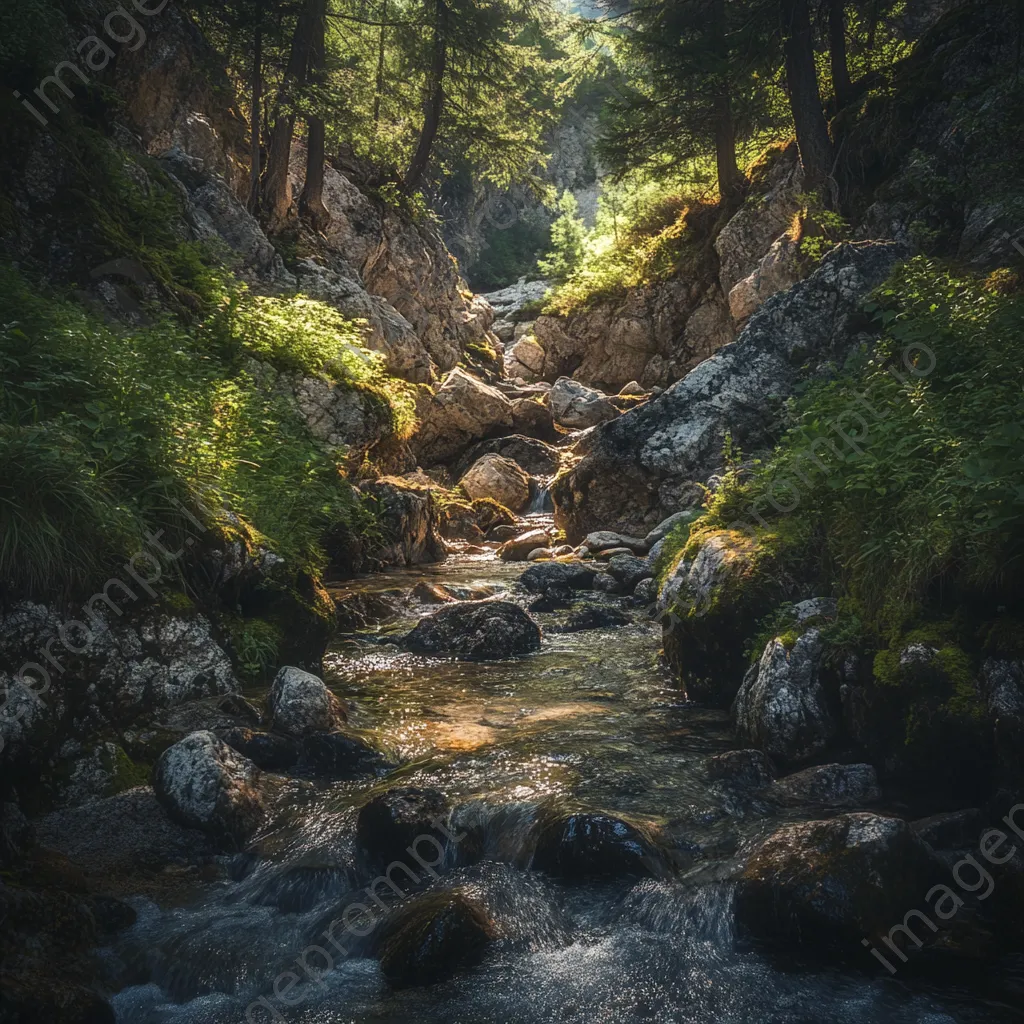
(255, 644)
(105, 428)
(568, 234)
(509, 254)
(924, 495)
(647, 231)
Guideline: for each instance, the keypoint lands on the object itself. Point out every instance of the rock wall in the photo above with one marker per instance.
(649, 463)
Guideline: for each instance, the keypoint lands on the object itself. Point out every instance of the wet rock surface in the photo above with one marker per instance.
(834, 882)
(204, 784)
(589, 845)
(300, 704)
(488, 630)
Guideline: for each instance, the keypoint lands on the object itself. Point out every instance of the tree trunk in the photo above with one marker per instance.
(378, 93)
(311, 202)
(434, 103)
(277, 193)
(805, 100)
(730, 180)
(841, 81)
(254, 116)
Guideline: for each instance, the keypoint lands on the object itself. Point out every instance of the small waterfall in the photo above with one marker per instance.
(541, 501)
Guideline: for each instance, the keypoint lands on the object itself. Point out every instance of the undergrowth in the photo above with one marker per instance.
(902, 478)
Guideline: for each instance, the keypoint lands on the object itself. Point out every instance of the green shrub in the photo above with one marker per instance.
(923, 499)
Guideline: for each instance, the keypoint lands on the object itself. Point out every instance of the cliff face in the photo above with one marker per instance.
(377, 262)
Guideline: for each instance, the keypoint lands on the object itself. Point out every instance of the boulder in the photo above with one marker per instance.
(487, 630)
(589, 845)
(779, 270)
(410, 523)
(821, 884)
(541, 579)
(539, 555)
(300, 704)
(575, 406)
(344, 418)
(204, 784)
(603, 540)
(341, 755)
(782, 706)
(593, 616)
(462, 411)
(501, 534)
(268, 751)
(712, 605)
(500, 479)
(519, 547)
(536, 457)
(434, 936)
(645, 593)
(745, 769)
(532, 418)
(830, 785)
(666, 526)
(952, 830)
(390, 824)
(525, 359)
(633, 388)
(647, 464)
(629, 570)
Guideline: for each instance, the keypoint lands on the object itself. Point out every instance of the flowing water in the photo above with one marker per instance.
(590, 721)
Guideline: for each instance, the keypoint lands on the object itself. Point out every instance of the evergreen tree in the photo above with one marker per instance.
(568, 236)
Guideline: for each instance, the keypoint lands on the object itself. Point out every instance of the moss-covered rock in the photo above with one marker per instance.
(722, 583)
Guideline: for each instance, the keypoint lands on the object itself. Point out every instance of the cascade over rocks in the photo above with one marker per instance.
(643, 466)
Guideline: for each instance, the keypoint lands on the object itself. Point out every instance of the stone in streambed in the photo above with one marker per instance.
(300, 704)
(204, 784)
(603, 540)
(830, 785)
(503, 533)
(392, 822)
(629, 570)
(517, 549)
(499, 479)
(341, 755)
(593, 616)
(818, 884)
(488, 630)
(434, 936)
(745, 769)
(539, 579)
(267, 750)
(589, 845)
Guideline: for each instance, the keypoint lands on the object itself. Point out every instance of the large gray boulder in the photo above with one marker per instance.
(782, 707)
(644, 465)
(300, 704)
(204, 784)
(830, 785)
(410, 523)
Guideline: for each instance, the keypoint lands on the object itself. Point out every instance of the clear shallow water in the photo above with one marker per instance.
(589, 721)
